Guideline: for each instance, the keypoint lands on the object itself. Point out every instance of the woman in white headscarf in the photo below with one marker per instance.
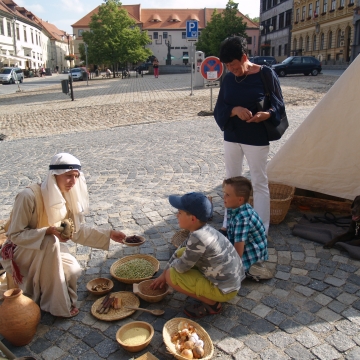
(35, 252)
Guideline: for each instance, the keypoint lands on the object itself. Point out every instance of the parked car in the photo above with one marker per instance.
(263, 60)
(298, 65)
(78, 73)
(8, 75)
(142, 67)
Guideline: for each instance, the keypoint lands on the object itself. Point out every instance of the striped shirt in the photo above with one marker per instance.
(245, 225)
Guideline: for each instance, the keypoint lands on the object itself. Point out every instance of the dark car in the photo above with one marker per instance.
(263, 60)
(298, 65)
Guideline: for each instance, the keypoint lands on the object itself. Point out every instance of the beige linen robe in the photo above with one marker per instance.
(50, 271)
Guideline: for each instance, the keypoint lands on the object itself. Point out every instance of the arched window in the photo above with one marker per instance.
(338, 40)
(301, 43)
(314, 42)
(308, 43)
(322, 40)
(330, 40)
(295, 44)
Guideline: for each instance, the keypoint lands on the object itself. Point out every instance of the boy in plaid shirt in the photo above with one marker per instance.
(245, 229)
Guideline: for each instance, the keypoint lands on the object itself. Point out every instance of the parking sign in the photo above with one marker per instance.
(192, 30)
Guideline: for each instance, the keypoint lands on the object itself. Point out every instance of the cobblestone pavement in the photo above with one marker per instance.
(309, 310)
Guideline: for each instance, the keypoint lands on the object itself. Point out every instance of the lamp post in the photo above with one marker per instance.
(67, 36)
(168, 44)
(267, 29)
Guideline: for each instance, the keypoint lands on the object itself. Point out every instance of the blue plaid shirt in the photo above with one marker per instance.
(244, 224)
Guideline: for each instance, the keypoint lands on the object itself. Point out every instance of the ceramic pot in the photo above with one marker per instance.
(19, 317)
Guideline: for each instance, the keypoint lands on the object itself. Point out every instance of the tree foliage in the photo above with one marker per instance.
(221, 26)
(114, 37)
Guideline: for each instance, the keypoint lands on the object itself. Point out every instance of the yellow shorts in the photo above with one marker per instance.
(194, 282)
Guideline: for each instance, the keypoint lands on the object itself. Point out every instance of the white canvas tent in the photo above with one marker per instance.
(323, 154)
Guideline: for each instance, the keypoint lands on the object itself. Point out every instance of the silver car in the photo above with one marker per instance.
(78, 74)
(9, 75)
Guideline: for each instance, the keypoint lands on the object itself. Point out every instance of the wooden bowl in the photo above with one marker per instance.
(135, 244)
(135, 324)
(142, 291)
(155, 263)
(98, 281)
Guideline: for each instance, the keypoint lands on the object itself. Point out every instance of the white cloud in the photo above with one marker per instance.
(74, 6)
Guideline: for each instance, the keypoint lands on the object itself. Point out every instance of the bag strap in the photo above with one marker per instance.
(267, 91)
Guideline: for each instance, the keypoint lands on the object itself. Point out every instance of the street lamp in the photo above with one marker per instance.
(67, 36)
(267, 29)
(168, 44)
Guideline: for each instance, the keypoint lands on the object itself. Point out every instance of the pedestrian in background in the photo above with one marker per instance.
(156, 67)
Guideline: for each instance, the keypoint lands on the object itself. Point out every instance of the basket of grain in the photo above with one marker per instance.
(135, 336)
(143, 291)
(179, 331)
(134, 268)
(280, 200)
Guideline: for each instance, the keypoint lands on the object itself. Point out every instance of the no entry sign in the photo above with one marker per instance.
(211, 68)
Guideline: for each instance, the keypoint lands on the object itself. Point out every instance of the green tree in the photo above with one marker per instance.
(221, 26)
(114, 37)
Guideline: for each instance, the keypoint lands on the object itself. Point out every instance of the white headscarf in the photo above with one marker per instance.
(77, 199)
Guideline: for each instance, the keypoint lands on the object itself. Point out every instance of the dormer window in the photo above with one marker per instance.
(174, 18)
(193, 17)
(155, 18)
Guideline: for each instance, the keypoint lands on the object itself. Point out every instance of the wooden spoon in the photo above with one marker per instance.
(156, 312)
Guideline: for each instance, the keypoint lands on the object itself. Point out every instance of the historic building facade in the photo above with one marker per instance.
(167, 30)
(325, 29)
(275, 27)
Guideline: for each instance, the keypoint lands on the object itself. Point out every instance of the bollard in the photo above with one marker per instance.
(65, 86)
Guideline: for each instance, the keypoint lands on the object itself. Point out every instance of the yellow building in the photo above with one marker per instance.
(324, 29)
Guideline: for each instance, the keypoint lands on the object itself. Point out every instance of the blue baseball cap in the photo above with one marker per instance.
(195, 203)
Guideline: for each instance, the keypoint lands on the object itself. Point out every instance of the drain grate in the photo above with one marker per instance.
(206, 113)
(2, 137)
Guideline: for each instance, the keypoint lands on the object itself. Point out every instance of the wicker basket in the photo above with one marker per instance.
(125, 259)
(171, 327)
(280, 199)
(157, 295)
(179, 237)
(135, 324)
(147, 356)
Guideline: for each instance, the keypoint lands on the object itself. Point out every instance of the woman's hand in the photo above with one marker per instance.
(52, 230)
(117, 236)
(159, 282)
(259, 117)
(242, 113)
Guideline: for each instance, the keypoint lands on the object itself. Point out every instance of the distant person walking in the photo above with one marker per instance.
(156, 67)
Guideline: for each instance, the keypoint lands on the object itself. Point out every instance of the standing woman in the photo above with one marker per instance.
(35, 253)
(156, 67)
(236, 114)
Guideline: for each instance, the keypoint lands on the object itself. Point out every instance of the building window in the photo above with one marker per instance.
(156, 35)
(333, 4)
(264, 5)
(301, 44)
(80, 32)
(351, 2)
(314, 43)
(322, 40)
(36, 37)
(249, 40)
(338, 40)
(281, 20)
(325, 6)
(307, 43)
(330, 40)
(285, 49)
(32, 36)
(273, 51)
(342, 3)
(2, 26)
(288, 18)
(9, 28)
(273, 22)
(295, 44)
(310, 14)
(17, 33)
(279, 51)
(165, 35)
(183, 35)
(303, 13)
(25, 35)
(317, 5)
(297, 17)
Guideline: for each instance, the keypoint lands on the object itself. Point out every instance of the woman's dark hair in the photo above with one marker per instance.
(233, 48)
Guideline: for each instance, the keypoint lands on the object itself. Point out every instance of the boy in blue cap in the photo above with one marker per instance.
(206, 266)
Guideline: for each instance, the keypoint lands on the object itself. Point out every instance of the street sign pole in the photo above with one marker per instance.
(192, 33)
(87, 74)
(192, 62)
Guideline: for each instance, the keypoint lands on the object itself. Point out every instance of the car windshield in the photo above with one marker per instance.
(5, 71)
(75, 70)
(287, 60)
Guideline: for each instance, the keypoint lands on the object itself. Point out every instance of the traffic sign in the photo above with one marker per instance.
(192, 30)
(211, 68)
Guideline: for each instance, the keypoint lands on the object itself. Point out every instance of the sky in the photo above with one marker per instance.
(64, 13)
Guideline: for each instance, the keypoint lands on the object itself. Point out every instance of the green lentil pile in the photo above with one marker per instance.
(135, 269)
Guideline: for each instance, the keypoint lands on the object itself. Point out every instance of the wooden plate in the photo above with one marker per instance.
(135, 244)
(127, 299)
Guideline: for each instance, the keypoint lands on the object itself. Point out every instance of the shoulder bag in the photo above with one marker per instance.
(273, 132)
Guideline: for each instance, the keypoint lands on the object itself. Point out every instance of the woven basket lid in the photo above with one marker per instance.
(179, 237)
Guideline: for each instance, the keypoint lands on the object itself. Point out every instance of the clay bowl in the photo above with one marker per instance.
(143, 291)
(97, 282)
(134, 244)
(134, 324)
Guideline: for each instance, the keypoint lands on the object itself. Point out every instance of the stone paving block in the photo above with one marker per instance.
(334, 281)
(298, 256)
(321, 327)
(337, 306)
(245, 354)
(280, 293)
(353, 354)
(297, 271)
(353, 315)
(307, 338)
(323, 299)
(230, 345)
(312, 260)
(304, 290)
(53, 353)
(287, 308)
(106, 347)
(271, 301)
(333, 292)
(328, 315)
(281, 340)
(282, 275)
(256, 343)
(240, 332)
(255, 295)
(275, 317)
(247, 304)
(261, 310)
(326, 352)
(261, 327)
(347, 327)
(298, 352)
(347, 299)
(304, 317)
(290, 326)
(340, 341)
(224, 323)
(340, 259)
(271, 354)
